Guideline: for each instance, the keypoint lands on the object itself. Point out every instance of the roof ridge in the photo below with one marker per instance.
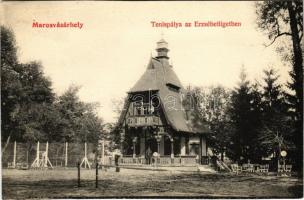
(164, 72)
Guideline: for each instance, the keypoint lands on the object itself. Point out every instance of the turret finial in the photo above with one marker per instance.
(162, 49)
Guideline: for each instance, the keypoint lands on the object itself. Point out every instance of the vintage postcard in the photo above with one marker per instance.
(156, 99)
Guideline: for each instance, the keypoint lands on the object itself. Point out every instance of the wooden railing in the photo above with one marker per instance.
(129, 160)
(189, 160)
(162, 160)
(145, 120)
(176, 160)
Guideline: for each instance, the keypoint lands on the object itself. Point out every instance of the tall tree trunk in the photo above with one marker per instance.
(298, 81)
(298, 59)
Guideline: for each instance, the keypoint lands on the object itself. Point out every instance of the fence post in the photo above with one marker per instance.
(78, 166)
(85, 158)
(96, 175)
(15, 151)
(85, 154)
(36, 162)
(46, 154)
(66, 154)
(27, 157)
(37, 152)
(116, 163)
(103, 152)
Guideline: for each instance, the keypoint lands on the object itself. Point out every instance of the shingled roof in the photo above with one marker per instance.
(159, 76)
(156, 76)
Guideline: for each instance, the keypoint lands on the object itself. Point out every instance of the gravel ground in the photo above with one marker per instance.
(62, 183)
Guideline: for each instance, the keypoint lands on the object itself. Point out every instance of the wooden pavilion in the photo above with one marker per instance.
(160, 116)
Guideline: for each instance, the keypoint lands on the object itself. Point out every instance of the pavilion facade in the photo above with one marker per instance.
(160, 116)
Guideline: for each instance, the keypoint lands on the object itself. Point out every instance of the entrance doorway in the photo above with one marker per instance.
(152, 144)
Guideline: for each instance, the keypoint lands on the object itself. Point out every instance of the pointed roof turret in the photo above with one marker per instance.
(162, 50)
(160, 77)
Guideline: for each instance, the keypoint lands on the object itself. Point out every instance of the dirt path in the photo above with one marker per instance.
(63, 184)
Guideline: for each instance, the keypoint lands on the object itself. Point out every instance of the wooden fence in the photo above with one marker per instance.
(19, 155)
(59, 154)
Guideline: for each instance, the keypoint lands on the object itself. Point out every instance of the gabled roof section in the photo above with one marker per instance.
(155, 75)
(159, 76)
(148, 80)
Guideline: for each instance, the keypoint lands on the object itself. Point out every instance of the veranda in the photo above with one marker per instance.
(141, 146)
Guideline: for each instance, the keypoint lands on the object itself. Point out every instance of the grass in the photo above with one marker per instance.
(62, 183)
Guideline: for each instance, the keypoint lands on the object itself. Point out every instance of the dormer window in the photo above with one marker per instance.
(173, 87)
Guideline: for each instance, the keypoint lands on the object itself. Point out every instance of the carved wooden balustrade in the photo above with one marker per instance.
(161, 161)
(142, 120)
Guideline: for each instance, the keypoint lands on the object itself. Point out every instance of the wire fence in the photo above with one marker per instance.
(59, 154)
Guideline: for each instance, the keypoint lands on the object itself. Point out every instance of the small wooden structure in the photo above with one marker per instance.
(85, 160)
(13, 164)
(43, 162)
(66, 154)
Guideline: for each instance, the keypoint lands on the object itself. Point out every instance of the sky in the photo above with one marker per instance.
(110, 52)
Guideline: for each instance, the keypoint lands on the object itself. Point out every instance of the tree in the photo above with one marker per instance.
(8, 48)
(242, 141)
(38, 122)
(10, 84)
(285, 18)
(256, 119)
(115, 138)
(24, 89)
(214, 103)
(119, 106)
(80, 123)
(36, 87)
(34, 93)
(31, 112)
(276, 122)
